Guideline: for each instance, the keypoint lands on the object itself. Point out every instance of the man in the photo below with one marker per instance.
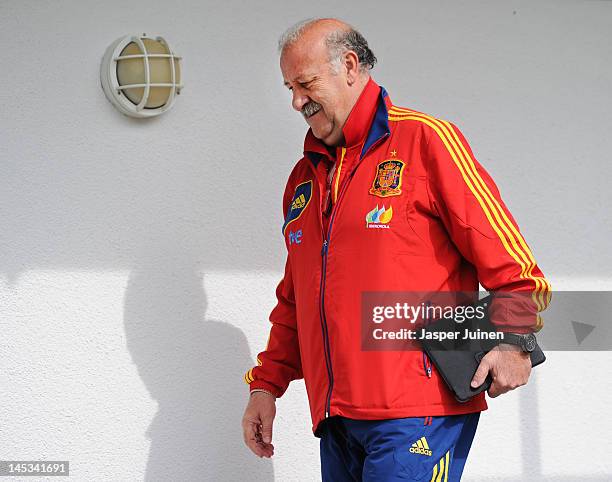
(440, 224)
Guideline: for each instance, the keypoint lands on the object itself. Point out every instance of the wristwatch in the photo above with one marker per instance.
(527, 342)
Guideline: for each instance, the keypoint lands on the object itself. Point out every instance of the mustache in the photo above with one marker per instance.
(311, 108)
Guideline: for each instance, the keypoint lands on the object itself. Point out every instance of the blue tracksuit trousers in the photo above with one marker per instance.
(415, 448)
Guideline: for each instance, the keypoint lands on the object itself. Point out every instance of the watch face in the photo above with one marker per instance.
(529, 342)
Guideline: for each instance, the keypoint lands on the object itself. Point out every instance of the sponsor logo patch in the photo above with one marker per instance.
(299, 202)
(295, 238)
(379, 218)
(421, 447)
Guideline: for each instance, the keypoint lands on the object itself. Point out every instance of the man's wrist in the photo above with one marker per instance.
(510, 347)
(264, 391)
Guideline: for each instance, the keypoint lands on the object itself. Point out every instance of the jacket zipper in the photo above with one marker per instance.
(324, 251)
(426, 365)
(330, 373)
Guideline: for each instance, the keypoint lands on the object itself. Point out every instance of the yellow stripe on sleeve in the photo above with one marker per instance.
(510, 237)
(513, 228)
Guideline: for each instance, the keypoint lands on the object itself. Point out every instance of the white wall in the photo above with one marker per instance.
(139, 258)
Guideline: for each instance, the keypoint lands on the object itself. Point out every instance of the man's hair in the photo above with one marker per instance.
(338, 43)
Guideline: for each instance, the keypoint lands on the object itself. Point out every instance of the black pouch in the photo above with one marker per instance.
(457, 360)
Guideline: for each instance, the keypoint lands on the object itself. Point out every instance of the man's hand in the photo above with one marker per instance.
(257, 423)
(509, 367)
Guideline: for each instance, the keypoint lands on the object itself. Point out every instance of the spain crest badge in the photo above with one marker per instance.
(388, 179)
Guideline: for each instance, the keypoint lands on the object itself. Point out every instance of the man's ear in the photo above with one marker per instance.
(351, 64)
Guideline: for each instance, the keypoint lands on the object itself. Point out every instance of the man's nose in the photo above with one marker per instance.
(299, 100)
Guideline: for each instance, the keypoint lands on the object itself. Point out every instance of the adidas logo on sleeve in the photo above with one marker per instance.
(421, 447)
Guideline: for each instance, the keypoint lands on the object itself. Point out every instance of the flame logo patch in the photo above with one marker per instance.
(379, 218)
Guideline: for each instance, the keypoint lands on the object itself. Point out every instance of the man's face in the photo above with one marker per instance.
(322, 96)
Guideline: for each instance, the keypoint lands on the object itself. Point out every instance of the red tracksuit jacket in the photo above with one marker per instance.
(446, 228)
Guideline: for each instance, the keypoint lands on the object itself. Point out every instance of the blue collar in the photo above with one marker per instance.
(380, 124)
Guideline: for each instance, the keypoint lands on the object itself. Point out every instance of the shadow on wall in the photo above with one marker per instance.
(192, 367)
